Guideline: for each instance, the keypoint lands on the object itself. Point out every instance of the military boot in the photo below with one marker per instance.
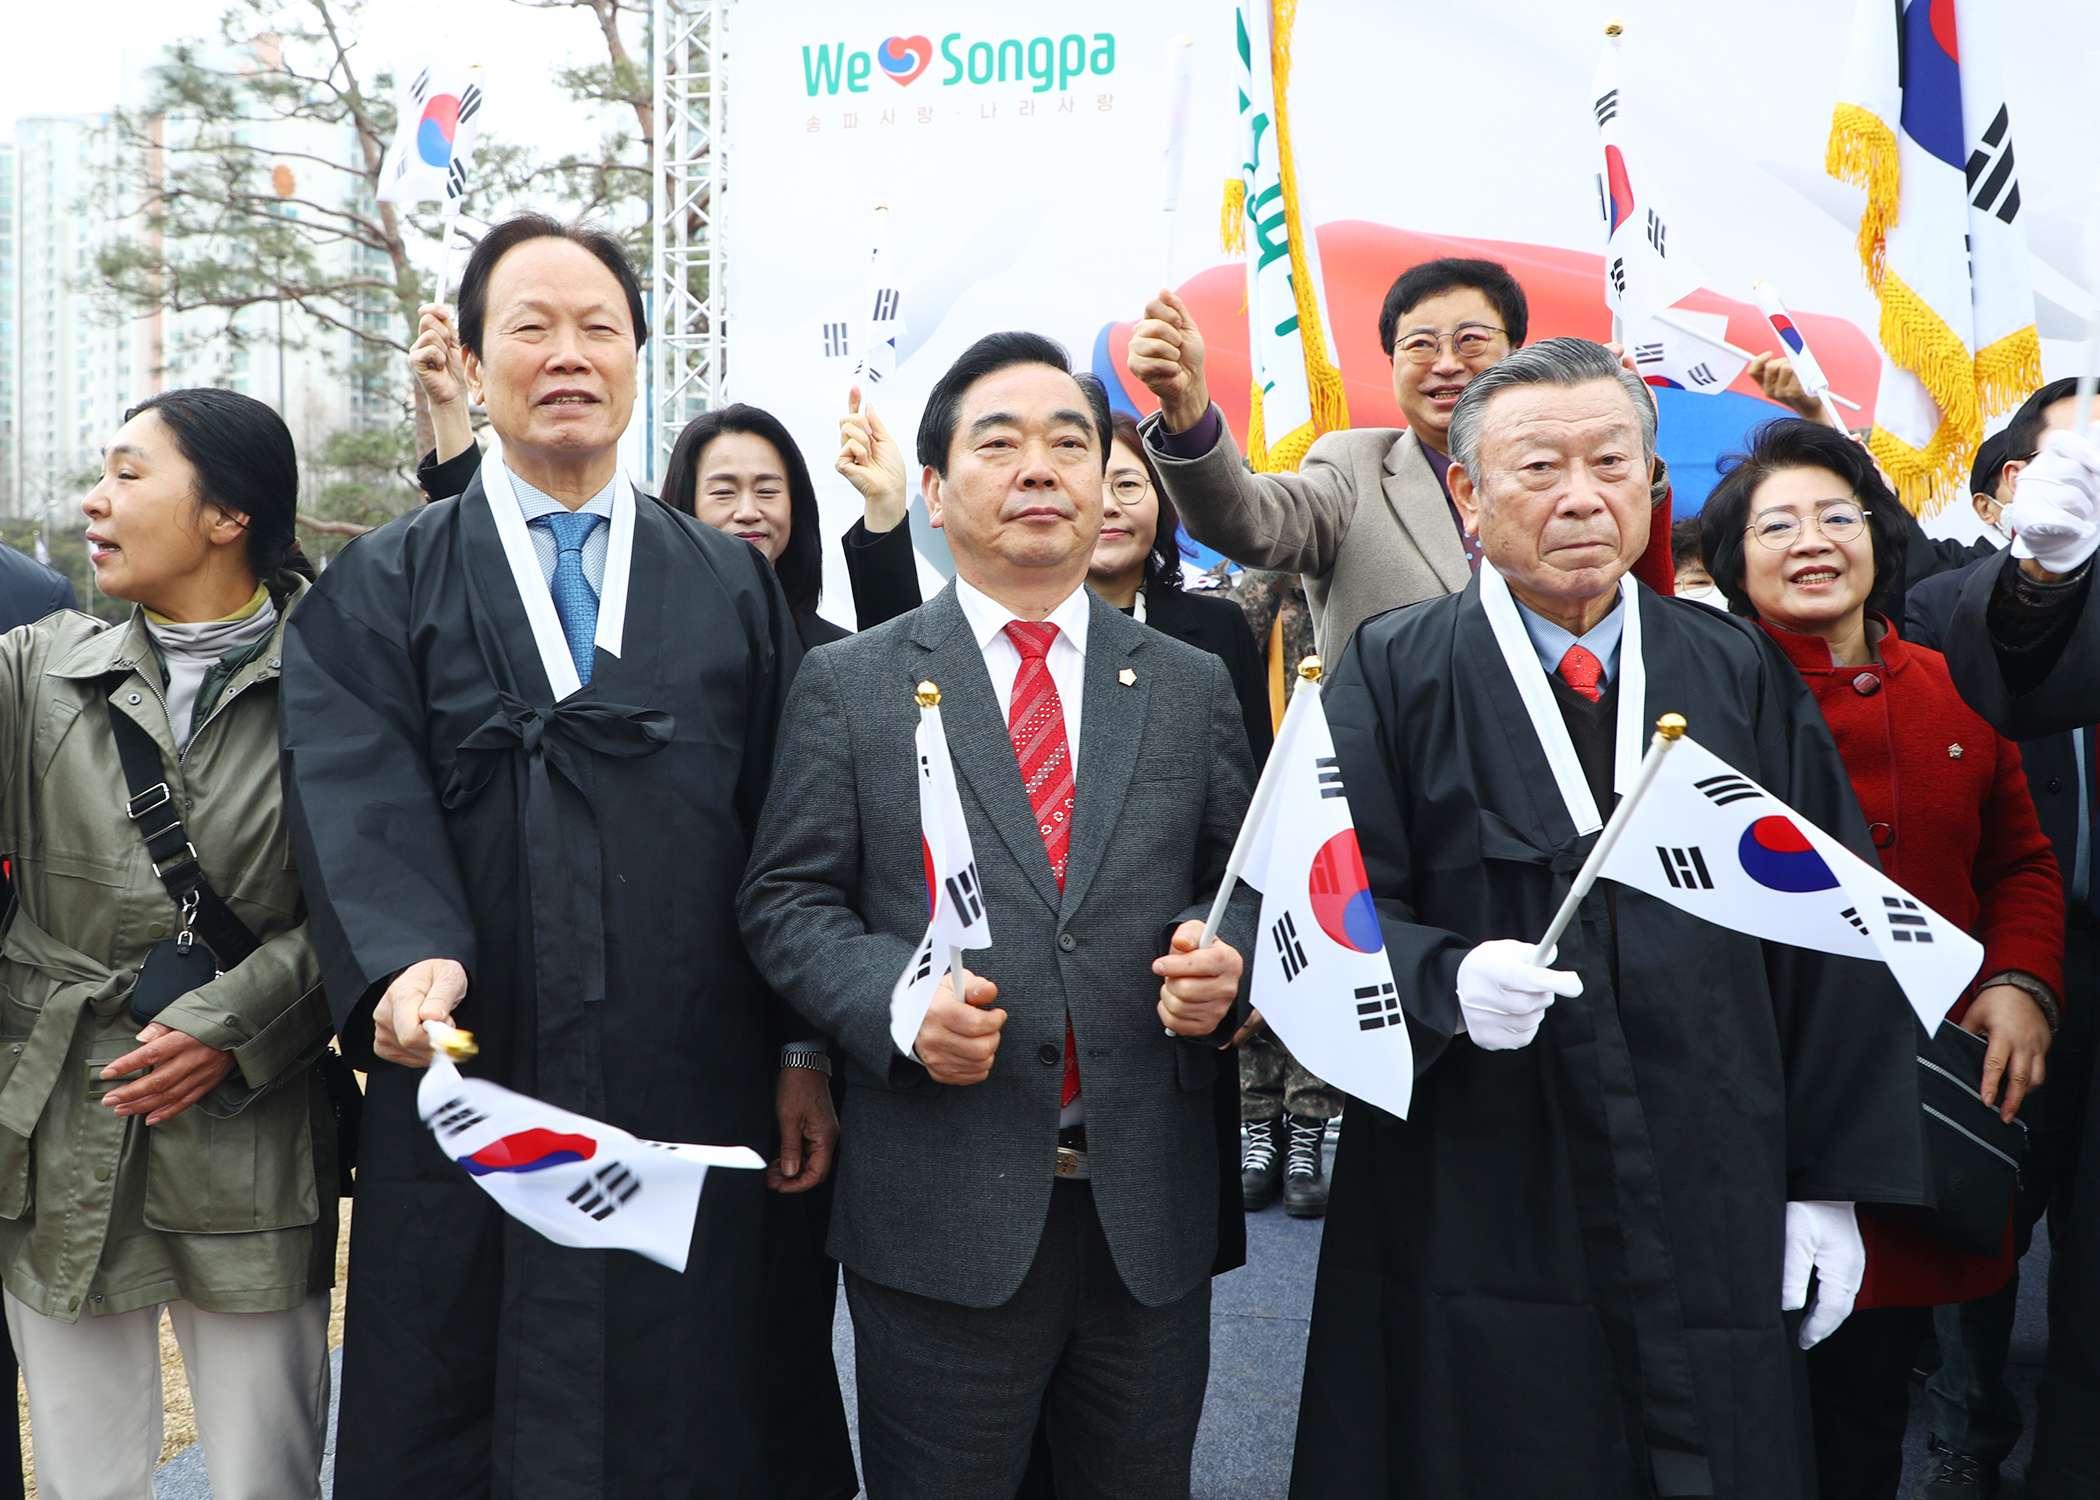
(1305, 1177)
(1261, 1164)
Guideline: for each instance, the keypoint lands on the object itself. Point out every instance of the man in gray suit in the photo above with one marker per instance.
(1368, 519)
(1027, 1222)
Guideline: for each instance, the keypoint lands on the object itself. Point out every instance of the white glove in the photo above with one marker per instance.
(2055, 510)
(1503, 995)
(1825, 1237)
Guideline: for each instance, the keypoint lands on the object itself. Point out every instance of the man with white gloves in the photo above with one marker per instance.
(1503, 995)
(2024, 649)
(1569, 1271)
(2024, 644)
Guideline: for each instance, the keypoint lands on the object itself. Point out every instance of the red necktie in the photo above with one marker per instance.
(1582, 671)
(1036, 723)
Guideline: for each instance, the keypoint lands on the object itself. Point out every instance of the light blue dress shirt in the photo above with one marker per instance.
(1552, 642)
(534, 504)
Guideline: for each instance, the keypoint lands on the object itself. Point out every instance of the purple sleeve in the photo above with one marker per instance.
(1195, 442)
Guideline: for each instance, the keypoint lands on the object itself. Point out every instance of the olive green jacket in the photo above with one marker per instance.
(231, 1204)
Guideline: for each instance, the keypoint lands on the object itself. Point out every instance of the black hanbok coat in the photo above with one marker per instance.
(1561, 1274)
(581, 860)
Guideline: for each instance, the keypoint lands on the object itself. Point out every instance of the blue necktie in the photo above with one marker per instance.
(574, 598)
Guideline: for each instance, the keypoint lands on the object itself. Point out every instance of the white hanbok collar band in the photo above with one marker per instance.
(1522, 659)
(532, 586)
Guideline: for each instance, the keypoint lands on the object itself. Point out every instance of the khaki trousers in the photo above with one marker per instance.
(259, 1382)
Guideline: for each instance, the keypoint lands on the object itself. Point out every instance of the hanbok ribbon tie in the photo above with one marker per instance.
(563, 865)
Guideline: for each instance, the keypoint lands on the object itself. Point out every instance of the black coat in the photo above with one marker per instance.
(29, 590)
(2050, 760)
(2048, 681)
(1220, 627)
(1561, 1274)
(581, 860)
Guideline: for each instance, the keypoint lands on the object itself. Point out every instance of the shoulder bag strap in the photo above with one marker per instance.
(153, 812)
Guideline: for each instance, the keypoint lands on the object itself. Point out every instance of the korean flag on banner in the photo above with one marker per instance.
(1321, 978)
(954, 895)
(578, 1181)
(1673, 359)
(1712, 842)
(1645, 267)
(438, 113)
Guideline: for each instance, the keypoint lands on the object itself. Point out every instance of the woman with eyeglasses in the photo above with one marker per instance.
(1137, 568)
(1804, 538)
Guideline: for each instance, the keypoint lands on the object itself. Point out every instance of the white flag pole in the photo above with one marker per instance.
(2089, 376)
(1181, 53)
(1669, 729)
(1257, 814)
(1614, 29)
(448, 221)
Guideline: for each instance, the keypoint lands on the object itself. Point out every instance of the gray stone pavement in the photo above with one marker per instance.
(1259, 1316)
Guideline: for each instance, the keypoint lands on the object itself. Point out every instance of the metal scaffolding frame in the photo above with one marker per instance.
(688, 259)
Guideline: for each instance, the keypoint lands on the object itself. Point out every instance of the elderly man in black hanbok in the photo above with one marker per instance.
(527, 733)
(1562, 1274)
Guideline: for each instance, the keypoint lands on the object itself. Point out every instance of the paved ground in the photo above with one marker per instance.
(1258, 1321)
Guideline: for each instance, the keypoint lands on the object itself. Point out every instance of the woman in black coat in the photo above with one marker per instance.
(737, 470)
(1137, 568)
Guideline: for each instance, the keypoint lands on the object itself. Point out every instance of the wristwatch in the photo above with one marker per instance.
(801, 1057)
(2034, 989)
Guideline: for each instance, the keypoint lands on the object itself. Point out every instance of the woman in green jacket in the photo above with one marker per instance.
(184, 1162)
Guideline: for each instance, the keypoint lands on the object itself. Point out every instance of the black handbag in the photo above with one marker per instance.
(1972, 1157)
(212, 939)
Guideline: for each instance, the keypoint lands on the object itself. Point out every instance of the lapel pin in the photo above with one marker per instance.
(1128, 677)
(1954, 752)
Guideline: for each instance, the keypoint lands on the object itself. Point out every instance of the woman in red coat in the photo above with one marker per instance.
(1802, 537)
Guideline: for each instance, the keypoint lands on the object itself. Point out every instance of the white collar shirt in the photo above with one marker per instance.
(533, 504)
(988, 620)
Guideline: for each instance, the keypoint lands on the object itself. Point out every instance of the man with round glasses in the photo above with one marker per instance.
(1368, 518)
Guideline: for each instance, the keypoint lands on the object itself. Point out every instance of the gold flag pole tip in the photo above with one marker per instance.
(458, 1044)
(1670, 726)
(928, 696)
(1310, 669)
(1614, 27)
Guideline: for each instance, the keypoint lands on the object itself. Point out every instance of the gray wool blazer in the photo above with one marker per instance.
(943, 1190)
(1363, 521)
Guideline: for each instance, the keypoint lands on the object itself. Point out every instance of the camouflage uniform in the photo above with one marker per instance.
(1272, 1082)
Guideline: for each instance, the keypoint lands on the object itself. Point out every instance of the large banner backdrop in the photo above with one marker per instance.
(1019, 150)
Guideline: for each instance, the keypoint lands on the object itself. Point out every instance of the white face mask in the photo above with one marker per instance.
(1705, 593)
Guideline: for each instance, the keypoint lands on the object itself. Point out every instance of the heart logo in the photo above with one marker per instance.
(904, 57)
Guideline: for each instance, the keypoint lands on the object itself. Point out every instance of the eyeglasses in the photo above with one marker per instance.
(1467, 343)
(1838, 523)
(1128, 489)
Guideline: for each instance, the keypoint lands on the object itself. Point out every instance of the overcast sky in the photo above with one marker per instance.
(53, 64)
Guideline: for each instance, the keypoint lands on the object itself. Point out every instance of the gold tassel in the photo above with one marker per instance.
(1862, 151)
(1257, 450)
(2008, 370)
(1925, 480)
(1915, 337)
(1232, 218)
